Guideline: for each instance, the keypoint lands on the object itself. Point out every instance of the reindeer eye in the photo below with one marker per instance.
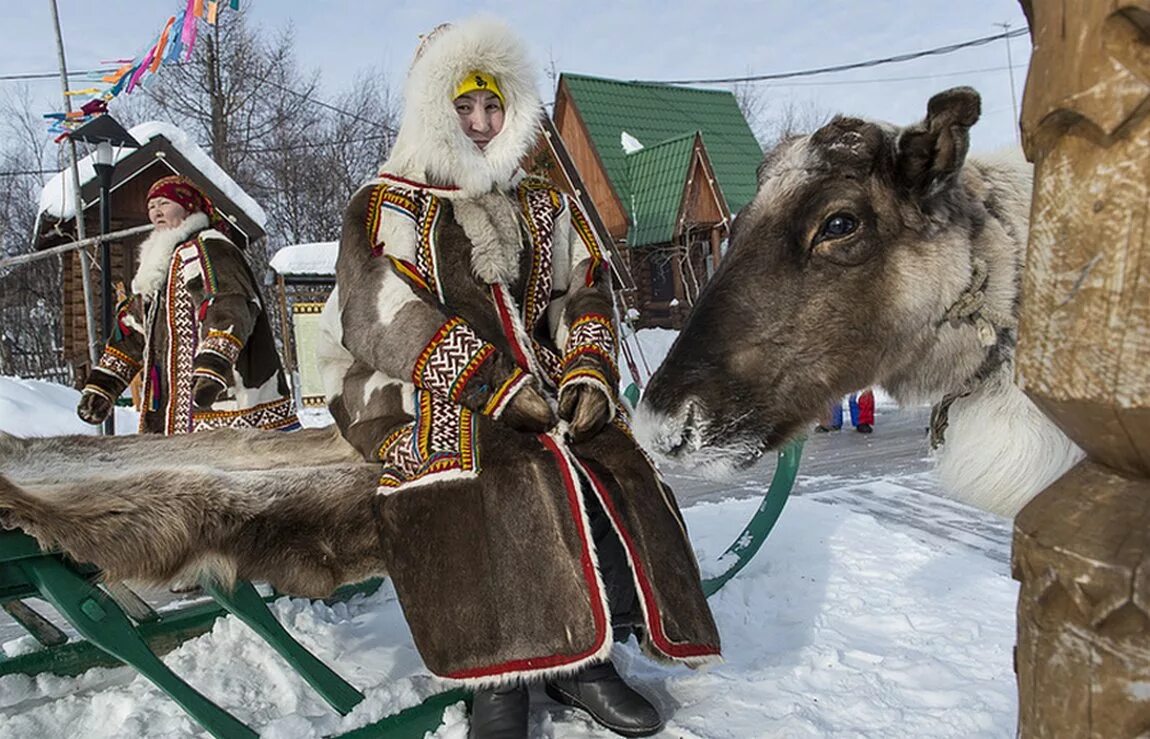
(837, 226)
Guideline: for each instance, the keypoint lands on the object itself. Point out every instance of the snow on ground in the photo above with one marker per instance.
(38, 408)
(843, 625)
(839, 627)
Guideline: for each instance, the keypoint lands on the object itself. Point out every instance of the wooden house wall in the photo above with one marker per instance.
(583, 153)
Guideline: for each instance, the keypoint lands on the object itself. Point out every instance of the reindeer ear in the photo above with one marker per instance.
(931, 152)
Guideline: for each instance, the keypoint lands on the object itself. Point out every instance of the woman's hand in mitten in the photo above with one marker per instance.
(529, 411)
(586, 409)
(93, 408)
(205, 391)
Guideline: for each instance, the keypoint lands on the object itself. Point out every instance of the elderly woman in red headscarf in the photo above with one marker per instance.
(195, 326)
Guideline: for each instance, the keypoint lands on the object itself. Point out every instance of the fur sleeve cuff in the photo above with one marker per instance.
(501, 397)
(117, 366)
(213, 366)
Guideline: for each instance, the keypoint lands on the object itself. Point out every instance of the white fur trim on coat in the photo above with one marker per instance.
(155, 253)
(431, 145)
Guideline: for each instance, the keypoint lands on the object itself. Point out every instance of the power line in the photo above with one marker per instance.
(937, 51)
(49, 75)
(909, 78)
(21, 172)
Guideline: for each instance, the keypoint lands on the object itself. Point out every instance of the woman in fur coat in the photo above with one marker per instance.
(470, 348)
(195, 327)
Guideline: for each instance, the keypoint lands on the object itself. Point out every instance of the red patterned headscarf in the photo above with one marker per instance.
(181, 190)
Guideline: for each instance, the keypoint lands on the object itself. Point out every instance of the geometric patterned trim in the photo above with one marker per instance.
(181, 315)
(593, 333)
(587, 235)
(540, 205)
(442, 440)
(277, 415)
(222, 343)
(118, 364)
(450, 359)
(405, 202)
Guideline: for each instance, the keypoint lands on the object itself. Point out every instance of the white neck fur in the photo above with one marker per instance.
(155, 253)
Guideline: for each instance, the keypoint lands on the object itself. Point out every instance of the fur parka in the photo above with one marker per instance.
(458, 283)
(195, 312)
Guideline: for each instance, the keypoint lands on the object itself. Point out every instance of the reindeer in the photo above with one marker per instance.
(887, 246)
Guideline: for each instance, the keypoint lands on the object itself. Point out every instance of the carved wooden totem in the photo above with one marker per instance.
(1082, 547)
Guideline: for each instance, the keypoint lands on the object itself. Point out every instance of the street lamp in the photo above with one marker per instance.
(101, 134)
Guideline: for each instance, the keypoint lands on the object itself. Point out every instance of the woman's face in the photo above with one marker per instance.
(164, 213)
(480, 116)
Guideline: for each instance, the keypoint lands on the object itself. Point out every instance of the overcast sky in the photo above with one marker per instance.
(624, 40)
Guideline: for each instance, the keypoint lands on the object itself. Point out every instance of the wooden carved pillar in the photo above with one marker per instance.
(1082, 547)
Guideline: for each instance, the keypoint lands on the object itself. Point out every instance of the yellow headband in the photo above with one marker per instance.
(477, 80)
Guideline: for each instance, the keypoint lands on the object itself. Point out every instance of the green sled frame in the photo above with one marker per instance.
(111, 637)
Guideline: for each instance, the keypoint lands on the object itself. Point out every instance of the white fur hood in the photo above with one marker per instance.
(431, 145)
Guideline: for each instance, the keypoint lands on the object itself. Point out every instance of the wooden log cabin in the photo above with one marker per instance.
(666, 168)
(164, 150)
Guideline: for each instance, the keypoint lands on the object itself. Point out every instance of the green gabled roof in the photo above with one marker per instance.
(656, 113)
(657, 175)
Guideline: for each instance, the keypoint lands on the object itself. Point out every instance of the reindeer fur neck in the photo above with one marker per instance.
(999, 449)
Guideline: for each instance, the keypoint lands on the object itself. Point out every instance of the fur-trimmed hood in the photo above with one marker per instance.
(431, 146)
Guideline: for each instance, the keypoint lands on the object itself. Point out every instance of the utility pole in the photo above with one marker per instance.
(94, 348)
(1010, 70)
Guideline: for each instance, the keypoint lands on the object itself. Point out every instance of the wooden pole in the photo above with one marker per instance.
(94, 345)
(73, 245)
(1082, 546)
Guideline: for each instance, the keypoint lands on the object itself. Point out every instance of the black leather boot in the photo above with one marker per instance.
(499, 713)
(612, 703)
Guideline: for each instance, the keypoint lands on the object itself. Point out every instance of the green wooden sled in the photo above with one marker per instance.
(112, 638)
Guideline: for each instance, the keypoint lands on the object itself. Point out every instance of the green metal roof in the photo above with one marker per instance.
(656, 175)
(654, 114)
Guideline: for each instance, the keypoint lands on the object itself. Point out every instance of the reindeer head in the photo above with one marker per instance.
(855, 243)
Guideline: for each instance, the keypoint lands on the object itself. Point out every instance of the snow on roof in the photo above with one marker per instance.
(57, 199)
(306, 259)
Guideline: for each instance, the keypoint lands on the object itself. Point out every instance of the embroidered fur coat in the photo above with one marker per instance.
(195, 311)
(485, 528)
(449, 300)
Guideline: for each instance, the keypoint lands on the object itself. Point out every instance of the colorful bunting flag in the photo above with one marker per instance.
(177, 39)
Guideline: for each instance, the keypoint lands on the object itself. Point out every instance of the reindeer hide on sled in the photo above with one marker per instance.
(291, 509)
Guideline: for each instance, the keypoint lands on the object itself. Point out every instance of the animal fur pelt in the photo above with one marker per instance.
(291, 509)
